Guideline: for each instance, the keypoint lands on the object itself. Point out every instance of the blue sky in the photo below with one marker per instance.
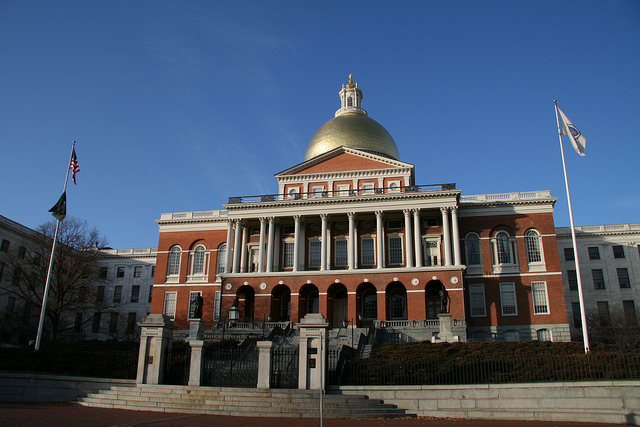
(177, 105)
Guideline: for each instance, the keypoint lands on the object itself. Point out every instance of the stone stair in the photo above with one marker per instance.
(246, 402)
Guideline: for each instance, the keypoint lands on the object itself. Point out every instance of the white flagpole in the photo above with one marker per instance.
(43, 309)
(583, 316)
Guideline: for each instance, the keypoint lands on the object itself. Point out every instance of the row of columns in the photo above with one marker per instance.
(413, 241)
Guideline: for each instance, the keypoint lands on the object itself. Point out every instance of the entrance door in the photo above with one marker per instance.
(340, 308)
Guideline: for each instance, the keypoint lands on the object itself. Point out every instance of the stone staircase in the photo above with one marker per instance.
(246, 402)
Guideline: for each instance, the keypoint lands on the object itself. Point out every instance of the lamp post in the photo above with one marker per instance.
(234, 314)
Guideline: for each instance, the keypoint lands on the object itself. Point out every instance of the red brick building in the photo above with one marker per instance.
(350, 235)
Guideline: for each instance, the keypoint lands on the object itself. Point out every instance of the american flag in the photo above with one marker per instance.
(74, 166)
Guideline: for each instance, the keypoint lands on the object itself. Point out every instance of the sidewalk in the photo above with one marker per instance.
(70, 415)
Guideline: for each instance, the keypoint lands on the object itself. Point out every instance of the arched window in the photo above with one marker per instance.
(543, 335)
(534, 248)
(503, 248)
(397, 302)
(313, 302)
(198, 261)
(222, 258)
(349, 102)
(173, 263)
(512, 335)
(472, 248)
(369, 304)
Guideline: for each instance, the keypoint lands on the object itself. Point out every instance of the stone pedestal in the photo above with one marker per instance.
(155, 338)
(195, 330)
(313, 352)
(445, 334)
(195, 366)
(264, 364)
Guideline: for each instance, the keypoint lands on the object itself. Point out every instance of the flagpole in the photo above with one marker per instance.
(583, 315)
(43, 309)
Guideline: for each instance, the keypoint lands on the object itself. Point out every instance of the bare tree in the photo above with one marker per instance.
(614, 327)
(75, 276)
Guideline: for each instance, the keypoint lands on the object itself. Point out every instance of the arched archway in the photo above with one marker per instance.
(367, 304)
(280, 304)
(246, 302)
(309, 300)
(432, 298)
(338, 307)
(396, 301)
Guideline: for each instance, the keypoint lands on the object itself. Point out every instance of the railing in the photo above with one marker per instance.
(405, 324)
(266, 198)
(480, 198)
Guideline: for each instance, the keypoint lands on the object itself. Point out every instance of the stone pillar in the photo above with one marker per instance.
(446, 237)
(456, 236)
(313, 352)
(379, 241)
(195, 366)
(270, 246)
(408, 248)
(296, 241)
(237, 250)
(263, 231)
(155, 338)
(417, 236)
(227, 255)
(352, 240)
(264, 364)
(243, 257)
(323, 250)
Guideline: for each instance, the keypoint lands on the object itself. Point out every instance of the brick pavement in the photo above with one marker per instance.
(71, 415)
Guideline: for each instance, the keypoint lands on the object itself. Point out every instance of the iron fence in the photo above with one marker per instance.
(284, 371)
(178, 362)
(492, 368)
(230, 367)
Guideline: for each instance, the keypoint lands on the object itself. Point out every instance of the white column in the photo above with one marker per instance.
(417, 237)
(237, 250)
(263, 230)
(323, 245)
(245, 241)
(351, 241)
(270, 246)
(379, 241)
(408, 248)
(446, 238)
(296, 241)
(456, 236)
(227, 255)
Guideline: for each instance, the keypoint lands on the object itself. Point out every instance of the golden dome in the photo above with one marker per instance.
(352, 130)
(351, 127)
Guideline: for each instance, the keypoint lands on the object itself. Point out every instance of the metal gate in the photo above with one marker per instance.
(177, 364)
(284, 371)
(230, 367)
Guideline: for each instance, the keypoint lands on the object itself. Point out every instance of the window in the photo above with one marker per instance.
(395, 250)
(1, 269)
(193, 295)
(630, 313)
(318, 191)
(618, 251)
(95, 328)
(431, 222)
(113, 323)
(198, 261)
(117, 294)
(577, 318)
(394, 224)
(543, 335)
(216, 305)
(131, 323)
(369, 304)
(476, 300)
(503, 248)
(594, 252)
(315, 253)
(137, 271)
(341, 252)
(135, 293)
(150, 293)
(367, 252)
(255, 231)
(222, 258)
(170, 305)
(534, 246)
(598, 278)
(368, 188)
(77, 323)
(623, 278)
(472, 247)
(4, 247)
(398, 303)
(540, 300)
(572, 278)
(288, 229)
(511, 335)
(103, 272)
(100, 295)
(173, 263)
(120, 272)
(153, 271)
(294, 193)
(343, 189)
(569, 255)
(287, 255)
(603, 313)
(508, 299)
(349, 102)
(394, 187)
(22, 252)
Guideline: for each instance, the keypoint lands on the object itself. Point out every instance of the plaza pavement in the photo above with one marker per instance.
(71, 415)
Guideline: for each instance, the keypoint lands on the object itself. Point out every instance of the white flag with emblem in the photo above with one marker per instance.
(578, 140)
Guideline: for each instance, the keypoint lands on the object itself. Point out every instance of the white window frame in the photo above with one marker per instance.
(170, 299)
(500, 264)
(343, 189)
(544, 335)
(288, 247)
(198, 276)
(221, 262)
(368, 187)
(192, 296)
(467, 248)
(317, 191)
(508, 290)
(394, 186)
(368, 256)
(294, 193)
(431, 252)
(535, 254)
(216, 305)
(477, 301)
(339, 261)
(540, 297)
(395, 250)
(315, 253)
(173, 268)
